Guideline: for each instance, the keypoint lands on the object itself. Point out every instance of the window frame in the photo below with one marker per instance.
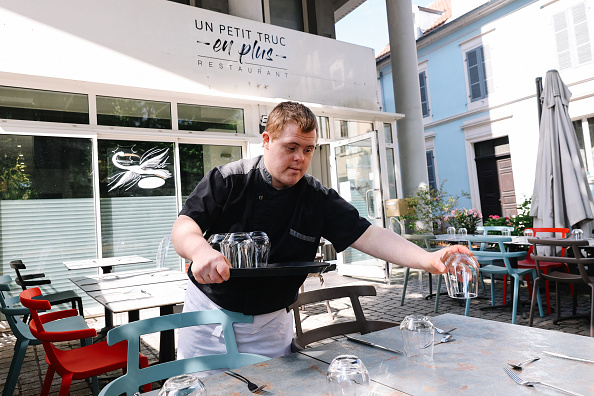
(427, 118)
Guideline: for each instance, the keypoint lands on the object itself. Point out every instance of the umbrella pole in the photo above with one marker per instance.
(538, 99)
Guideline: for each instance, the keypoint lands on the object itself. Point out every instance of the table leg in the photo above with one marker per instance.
(167, 339)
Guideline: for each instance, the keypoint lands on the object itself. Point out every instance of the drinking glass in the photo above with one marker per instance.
(417, 332)
(183, 385)
(451, 232)
(215, 241)
(238, 247)
(347, 376)
(462, 276)
(261, 248)
(577, 234)
(506, 232)
(462, 232)
(528, 233)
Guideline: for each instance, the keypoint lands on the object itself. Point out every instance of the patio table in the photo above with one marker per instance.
(106, 264)
(131, 291)
(473, 362)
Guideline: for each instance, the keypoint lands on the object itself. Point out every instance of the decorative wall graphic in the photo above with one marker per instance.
(145, 171)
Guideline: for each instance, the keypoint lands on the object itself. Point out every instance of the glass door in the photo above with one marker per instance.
(357, 179)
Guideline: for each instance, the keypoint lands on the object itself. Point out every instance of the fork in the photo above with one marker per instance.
(440, 331)
(519, 365)
(251, 386)
(520, 381)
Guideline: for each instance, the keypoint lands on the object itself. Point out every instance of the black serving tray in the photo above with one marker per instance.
(284, 269)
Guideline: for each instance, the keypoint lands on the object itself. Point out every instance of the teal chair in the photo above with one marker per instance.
(23, 335)
(492, 270)
(424, 241)
(135, 377)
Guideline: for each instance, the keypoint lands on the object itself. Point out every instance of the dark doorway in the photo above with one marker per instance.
(495, 178)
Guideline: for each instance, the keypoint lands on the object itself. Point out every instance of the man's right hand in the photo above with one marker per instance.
(212, 267)
(208, 265)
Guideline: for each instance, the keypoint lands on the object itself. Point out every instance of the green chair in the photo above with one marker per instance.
(424, 241)
(131, 332)
(23, 335)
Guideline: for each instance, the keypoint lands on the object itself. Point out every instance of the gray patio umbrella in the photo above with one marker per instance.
(562, 196)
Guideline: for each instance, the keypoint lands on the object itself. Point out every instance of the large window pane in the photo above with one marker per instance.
(47, 210)
(40, 167)
(392, 191)
(138, 202)
(133, 113)
(197, 159)
(287, 13)
(352, 128)
(210, 119)
(38, 105)
(323, 127)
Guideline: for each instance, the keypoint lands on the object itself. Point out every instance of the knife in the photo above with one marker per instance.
(568, 357)
(372, 344)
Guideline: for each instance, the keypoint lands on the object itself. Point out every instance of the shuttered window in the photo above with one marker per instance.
(431, 170)
(572, 36)
(475, 62)
(424, 96)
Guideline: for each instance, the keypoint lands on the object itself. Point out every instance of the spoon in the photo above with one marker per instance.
(519, 365)
(441, 331)
(443, 340)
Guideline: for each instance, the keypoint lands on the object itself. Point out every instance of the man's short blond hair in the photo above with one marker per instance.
(286, 112)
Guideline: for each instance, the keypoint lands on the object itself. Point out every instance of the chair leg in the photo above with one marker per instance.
(516, 280)
(492, 289)
(534, 289)
(65, 387)
(20, 350)
(591, 310)
(504, 289)
(467, 308)
(437, 294)
(95, 385)
(538, 300)
(557, 300)
(545, 270)
(47, 382)
(406, 273)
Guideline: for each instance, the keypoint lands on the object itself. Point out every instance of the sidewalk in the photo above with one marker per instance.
(385, 306)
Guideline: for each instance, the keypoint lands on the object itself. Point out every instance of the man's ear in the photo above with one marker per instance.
(265, 140)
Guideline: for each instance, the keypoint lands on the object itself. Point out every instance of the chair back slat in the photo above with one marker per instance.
(131, 333)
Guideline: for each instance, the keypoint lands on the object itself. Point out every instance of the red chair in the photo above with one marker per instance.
(544, 265)
(79, 363)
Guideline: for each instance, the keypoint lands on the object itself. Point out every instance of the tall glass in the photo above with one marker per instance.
(528, 233)
(215, 241)
(451, 232)
(238, 247)
(462, 232)
(506, 232)
(417, 334)
(261, 248)
(577, 234)
(462, 276)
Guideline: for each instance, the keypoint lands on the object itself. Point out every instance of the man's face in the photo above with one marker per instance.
(288, 156)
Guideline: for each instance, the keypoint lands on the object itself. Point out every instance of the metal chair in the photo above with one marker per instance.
(359, 325)
(23, 335)
(131, 332)
(80, 363)
(63, 297)
(582, 277)
(528, 262)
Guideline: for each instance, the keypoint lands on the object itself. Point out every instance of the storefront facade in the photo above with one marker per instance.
(111, 113)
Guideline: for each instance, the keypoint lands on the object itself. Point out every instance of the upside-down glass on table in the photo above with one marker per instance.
(347, 376)
(417, 335)
(183, 385)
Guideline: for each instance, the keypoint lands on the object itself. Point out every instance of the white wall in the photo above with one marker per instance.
(158, 44)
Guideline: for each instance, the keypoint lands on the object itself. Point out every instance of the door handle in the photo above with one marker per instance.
(367, 203)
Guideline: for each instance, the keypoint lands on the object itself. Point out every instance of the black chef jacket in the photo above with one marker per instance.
(239, 197)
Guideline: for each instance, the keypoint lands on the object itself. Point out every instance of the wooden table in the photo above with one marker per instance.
(473, 362)
(131, 291)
